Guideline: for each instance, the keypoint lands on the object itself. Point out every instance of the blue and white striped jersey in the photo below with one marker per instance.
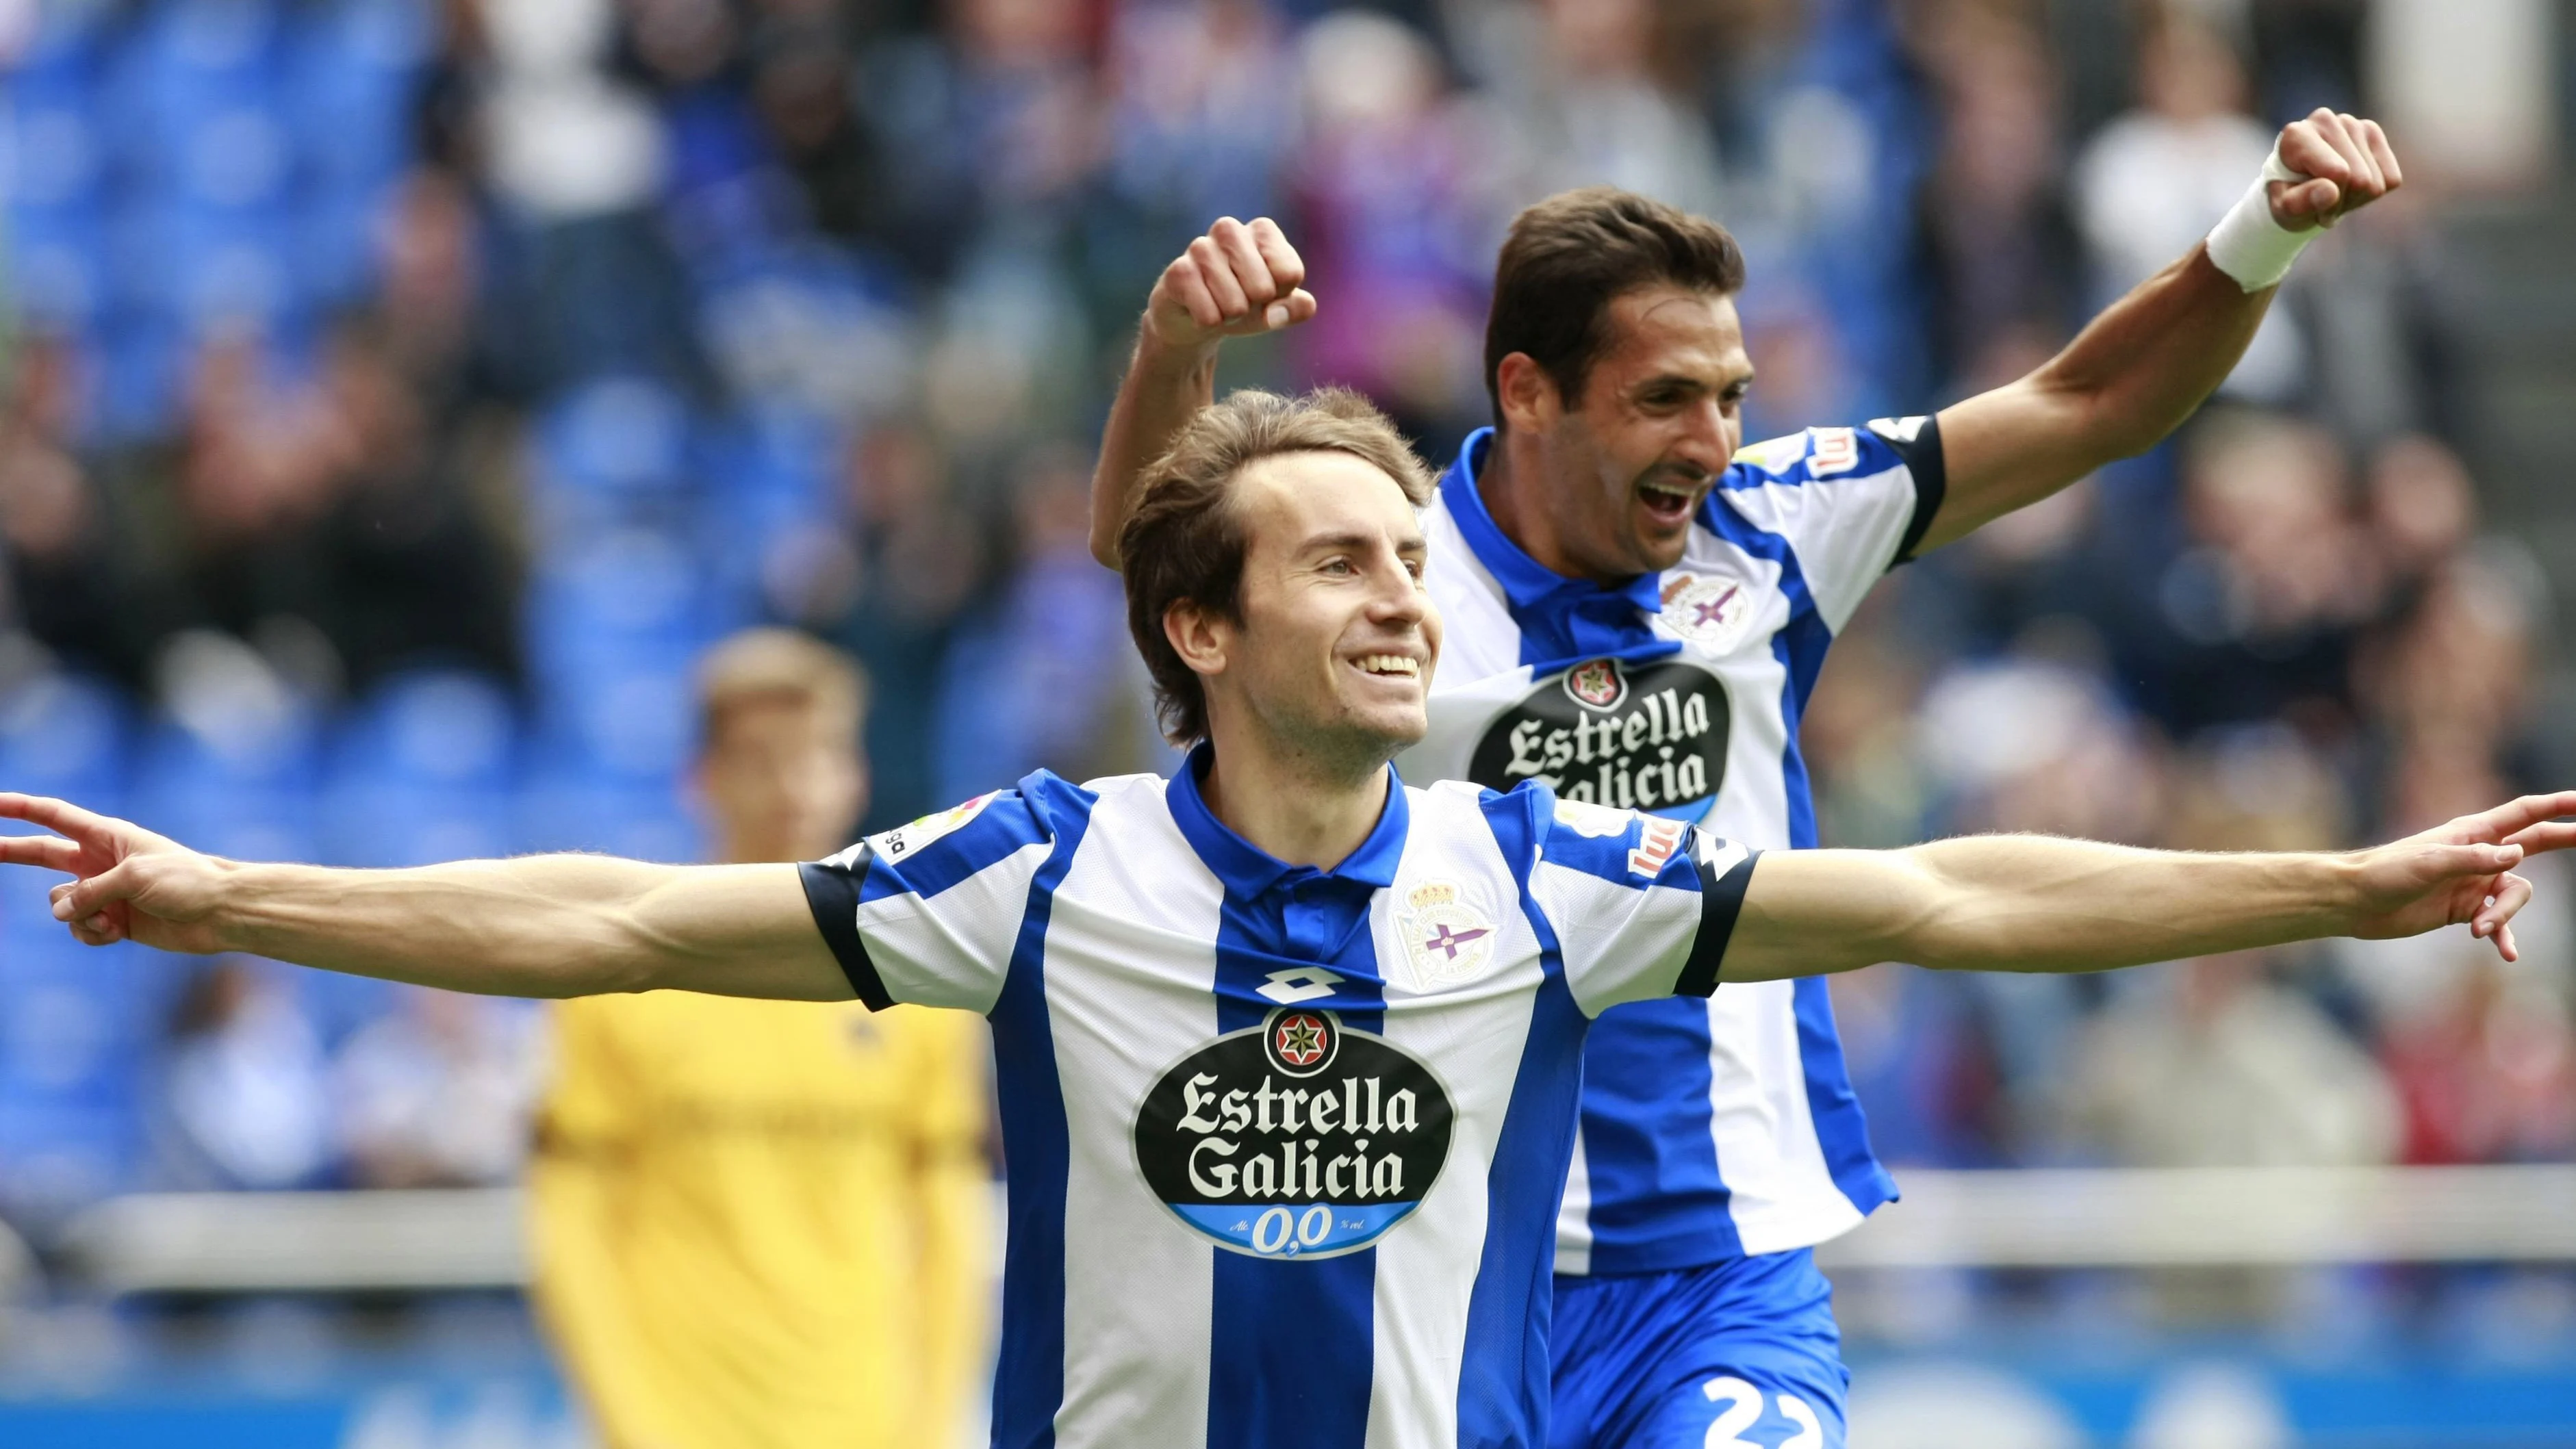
(1283, 1143)
(1714, 1128)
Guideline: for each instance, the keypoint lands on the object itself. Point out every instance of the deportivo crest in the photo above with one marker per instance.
(1297, 1138)
(903, 840)
(1646, 737)
(1447, 937)
(1707, 609)
(1597, 684)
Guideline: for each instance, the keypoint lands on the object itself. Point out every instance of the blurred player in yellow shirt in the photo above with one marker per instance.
(766, 1223)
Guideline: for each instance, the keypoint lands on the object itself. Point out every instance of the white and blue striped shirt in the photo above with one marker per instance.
(1710, 1129)
(1283, 1143)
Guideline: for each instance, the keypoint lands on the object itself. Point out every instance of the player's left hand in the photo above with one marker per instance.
(2348, 165)
(2461, 872)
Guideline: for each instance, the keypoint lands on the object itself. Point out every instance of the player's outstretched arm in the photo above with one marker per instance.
(2141, 367)
(2030, 903)
(1238, 280)
(547, 925)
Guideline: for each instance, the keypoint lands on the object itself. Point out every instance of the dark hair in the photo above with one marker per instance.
(1185, 541)
(1570, 256)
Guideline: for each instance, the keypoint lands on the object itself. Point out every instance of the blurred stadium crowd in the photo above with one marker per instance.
(400, 393)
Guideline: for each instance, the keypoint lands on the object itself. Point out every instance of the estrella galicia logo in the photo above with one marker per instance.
(1629, 737)
(1297, 1138)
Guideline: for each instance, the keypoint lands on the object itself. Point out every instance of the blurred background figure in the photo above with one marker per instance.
(766, 1223)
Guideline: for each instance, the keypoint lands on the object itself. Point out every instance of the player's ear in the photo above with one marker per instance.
(1199, 636)
(1529, 398)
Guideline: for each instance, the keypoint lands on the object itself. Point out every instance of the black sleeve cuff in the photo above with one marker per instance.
(1931, 483)
(1721, 900)
(833, 892)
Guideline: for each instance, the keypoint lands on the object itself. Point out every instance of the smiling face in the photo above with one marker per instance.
(1331, 648)
(1626, 463)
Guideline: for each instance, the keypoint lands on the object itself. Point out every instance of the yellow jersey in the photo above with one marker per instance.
(765, 1223)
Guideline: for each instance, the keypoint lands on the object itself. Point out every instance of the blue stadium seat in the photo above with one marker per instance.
(62, 734)
(623, 436)
(352, 66)
(231, 265)
(568, 811)
(423, 772)
(55, 265)
(233, 773)
(55, 155)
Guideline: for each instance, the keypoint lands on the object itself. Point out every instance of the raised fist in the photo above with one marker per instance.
(2344, 163)
(1236, 281)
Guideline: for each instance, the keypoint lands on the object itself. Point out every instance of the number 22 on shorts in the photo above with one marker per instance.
(1744, 1405)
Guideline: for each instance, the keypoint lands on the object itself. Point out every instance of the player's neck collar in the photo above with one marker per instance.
(1527, 583)
(1247, 870)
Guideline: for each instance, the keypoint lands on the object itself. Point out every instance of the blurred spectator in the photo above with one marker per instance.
(2007, 264)
(2155, 180)
(246, 1090)
(2216, 1064)
(1390, 206)
(440, 1092)
(915, 562)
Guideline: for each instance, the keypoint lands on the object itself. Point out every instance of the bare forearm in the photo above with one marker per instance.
(1163, 390)
(2127, 380)
(2029, 903)
(546, 926)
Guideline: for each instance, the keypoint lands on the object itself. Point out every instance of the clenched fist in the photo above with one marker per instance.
(1236, 281)
(2345, 164)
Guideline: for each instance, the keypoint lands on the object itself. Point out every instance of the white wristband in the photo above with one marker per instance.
(2247, 244)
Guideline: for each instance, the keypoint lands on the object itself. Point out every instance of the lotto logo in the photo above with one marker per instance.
(1655, 845)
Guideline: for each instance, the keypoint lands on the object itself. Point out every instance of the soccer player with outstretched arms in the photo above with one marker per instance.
(1637, 610)
(1288, 1051)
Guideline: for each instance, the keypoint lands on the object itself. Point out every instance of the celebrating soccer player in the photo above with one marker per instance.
(1638, 612)
(1288, 1052)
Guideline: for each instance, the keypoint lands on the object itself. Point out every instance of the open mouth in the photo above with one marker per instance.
(1390, 666)
(1668, 503)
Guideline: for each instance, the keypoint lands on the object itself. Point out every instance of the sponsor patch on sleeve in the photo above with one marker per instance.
(904, 840)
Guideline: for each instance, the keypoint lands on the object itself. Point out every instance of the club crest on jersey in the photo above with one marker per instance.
(903, 840)
(1297, 1138)
(1630, 737)
(1706, 609)
(1597, 684)
(1447, 937)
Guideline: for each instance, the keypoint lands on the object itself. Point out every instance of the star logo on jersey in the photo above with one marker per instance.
(1303, 1042)
(1707, 609)
(1597, 684)
(1447, 937)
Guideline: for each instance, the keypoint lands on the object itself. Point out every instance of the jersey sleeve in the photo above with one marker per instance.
(1852, 502)
(1642, 906)
(929, 913)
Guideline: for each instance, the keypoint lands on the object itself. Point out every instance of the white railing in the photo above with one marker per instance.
(243, 1242)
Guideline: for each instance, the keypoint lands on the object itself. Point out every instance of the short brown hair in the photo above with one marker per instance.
(1570, 256)
(778, 666)
(1185, 541)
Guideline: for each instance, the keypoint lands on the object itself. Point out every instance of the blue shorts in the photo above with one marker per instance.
(1735, 1355)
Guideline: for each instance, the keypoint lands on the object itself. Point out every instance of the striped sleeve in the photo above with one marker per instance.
(1643, 906)
(929, 913)
(1852, 502)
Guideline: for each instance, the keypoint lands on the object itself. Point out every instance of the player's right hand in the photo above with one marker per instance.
(127, 883)
(1236, 281)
